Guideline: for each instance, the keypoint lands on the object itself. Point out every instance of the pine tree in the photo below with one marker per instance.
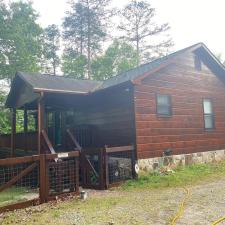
(85, 28)
(74, 64)
(51, 45)
(139, 28)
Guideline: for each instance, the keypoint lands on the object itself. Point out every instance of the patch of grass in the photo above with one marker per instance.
(182, 176)
(12, 194)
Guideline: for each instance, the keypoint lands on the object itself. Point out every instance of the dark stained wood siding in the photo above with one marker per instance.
(111, 115)
(184, 131)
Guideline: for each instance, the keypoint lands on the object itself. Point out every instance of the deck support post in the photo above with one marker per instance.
(44, 188)
(40, 121)
(102, 174)
(13, 131)
(25, 126)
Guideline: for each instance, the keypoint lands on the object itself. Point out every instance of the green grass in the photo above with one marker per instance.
(12, 194)
(185, 175)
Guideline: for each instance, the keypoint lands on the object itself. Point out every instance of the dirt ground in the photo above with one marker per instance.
(137, 207)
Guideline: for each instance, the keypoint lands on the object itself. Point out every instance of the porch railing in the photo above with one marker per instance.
(24, 142)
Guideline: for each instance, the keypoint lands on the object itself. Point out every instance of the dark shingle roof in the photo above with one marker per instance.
(58, 83)
(134, 73)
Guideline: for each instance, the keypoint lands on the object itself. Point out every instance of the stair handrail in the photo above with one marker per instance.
(48, 142)
(74, 140)
(79, 148)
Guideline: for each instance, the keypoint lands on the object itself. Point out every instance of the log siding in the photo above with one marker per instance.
(184, 131)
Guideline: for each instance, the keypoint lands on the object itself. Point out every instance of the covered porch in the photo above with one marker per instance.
(59, 106)
(69, 116)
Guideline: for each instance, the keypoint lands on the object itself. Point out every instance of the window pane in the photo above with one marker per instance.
(163, 99)
(163, 110)
(207, 106)
(163, 105)
(209, 123)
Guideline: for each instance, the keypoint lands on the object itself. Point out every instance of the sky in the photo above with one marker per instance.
(191, 21)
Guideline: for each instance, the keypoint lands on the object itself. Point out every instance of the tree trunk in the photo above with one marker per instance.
(89, 47)
(54, 67)
(81, 35)
(138, 52)
(137, 42)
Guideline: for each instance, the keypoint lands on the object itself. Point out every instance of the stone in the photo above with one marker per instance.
(183, 159)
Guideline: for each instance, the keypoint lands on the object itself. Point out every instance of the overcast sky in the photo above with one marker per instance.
(191, 21)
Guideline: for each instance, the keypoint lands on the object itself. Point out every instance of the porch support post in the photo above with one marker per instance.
(13, 131)
(25, 126)
(40, 121)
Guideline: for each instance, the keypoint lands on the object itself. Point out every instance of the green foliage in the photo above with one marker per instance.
(74, 64)
(20, 46)
(119, 57)
(220, 57)
(5, 118)
(51, 47)
(5, 124)
(85, 28)
(185, 175)
(139, 28)
(19, 121)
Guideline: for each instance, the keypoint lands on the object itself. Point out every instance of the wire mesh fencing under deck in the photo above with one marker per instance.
(92, 176)
(63, 176)
(119, 166)
(19, 183)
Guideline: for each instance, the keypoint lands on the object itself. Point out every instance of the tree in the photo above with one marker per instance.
(85, 28)
(20, 39)
(140, 29)
(220, 57)
(51, 47)
(118, 58)
(74, 64)
(5, 124)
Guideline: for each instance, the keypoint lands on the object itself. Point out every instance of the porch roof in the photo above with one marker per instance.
(51, 83)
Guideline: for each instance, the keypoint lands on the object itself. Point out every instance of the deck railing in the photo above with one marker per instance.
(25, 143)
(37, 179)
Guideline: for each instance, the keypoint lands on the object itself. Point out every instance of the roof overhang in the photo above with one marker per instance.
(22, 93)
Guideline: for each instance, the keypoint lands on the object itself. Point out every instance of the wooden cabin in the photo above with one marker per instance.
(171, 106)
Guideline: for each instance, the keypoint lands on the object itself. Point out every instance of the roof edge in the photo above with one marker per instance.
(58, 91)
(192, 48)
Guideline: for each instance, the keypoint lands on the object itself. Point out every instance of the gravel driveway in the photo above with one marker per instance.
(137, 207)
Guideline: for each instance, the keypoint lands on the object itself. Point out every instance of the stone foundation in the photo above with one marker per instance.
(185, 159)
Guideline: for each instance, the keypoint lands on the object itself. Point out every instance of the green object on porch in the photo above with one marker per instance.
(58, 129)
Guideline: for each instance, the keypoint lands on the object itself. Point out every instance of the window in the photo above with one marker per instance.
(208, 114)
(164, 105)
(198, 63)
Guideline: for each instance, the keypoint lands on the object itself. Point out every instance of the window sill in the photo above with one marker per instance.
(209, 129)
(163, 116)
